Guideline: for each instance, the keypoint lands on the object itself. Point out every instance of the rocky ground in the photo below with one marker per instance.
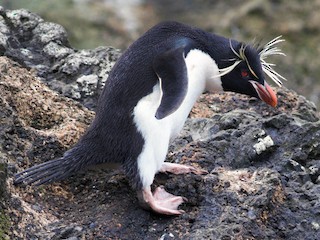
(263, 162)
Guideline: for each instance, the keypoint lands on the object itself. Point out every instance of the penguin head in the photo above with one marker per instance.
(245, 67)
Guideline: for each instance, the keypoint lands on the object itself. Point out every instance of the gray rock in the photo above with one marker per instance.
(250, 201)
(44, 46)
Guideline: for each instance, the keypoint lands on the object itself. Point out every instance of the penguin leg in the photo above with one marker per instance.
(161, 201)
(181, 169)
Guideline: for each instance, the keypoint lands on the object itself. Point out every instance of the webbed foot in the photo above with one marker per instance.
(161, 201)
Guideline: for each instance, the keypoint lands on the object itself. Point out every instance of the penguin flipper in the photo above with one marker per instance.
(171, 69)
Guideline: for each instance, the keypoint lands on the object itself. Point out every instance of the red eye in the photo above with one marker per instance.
(244, 73)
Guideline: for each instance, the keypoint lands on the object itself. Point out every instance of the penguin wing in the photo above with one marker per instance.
(171, 69)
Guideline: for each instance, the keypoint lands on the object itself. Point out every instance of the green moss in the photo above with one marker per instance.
(2, 167)
(4, 225)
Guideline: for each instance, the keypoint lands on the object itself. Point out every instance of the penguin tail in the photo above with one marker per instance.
(47, 172)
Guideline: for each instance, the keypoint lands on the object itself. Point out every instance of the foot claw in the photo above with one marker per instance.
(163, 202)
(198, 171)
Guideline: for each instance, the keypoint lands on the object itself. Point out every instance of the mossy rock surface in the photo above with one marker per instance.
(4, 226)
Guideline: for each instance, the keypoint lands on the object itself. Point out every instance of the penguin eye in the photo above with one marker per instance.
(244, 74)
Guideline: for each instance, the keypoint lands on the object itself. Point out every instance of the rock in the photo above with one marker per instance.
(3, 175)
(44, 46)
(36, 125)
(263, 162)
(4, 222)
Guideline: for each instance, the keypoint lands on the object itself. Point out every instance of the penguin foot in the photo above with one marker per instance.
(161, 201)
(181, 169)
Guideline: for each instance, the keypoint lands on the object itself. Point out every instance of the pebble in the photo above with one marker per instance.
(252, 214)
(263, 144)
(167, 236)
(315, 226)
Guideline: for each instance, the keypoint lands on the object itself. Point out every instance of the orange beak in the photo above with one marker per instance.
(265, 93)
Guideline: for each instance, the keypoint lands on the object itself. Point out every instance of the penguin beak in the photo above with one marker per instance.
(265, 93)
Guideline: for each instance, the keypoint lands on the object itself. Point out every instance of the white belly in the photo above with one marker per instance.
(157, 133)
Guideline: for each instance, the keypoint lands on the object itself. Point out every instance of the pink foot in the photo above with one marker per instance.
(181, 169)
(161, 201)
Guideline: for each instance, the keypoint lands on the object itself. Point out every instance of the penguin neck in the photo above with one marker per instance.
(202, 76)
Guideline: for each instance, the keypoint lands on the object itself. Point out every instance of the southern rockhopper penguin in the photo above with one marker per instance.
(147, 98)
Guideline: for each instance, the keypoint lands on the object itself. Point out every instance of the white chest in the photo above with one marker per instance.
(157, 133)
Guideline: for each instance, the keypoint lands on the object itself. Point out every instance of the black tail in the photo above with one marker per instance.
(44, 173)
(53, 170)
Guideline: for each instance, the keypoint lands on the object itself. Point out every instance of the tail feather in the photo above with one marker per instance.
(41, 167)
(75, 159)
(47, 172)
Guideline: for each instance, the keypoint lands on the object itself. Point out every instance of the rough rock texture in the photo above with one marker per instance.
(34, 43)
(36, 123)
(263, 163)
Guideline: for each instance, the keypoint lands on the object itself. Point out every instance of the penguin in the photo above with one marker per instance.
(147, 98)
